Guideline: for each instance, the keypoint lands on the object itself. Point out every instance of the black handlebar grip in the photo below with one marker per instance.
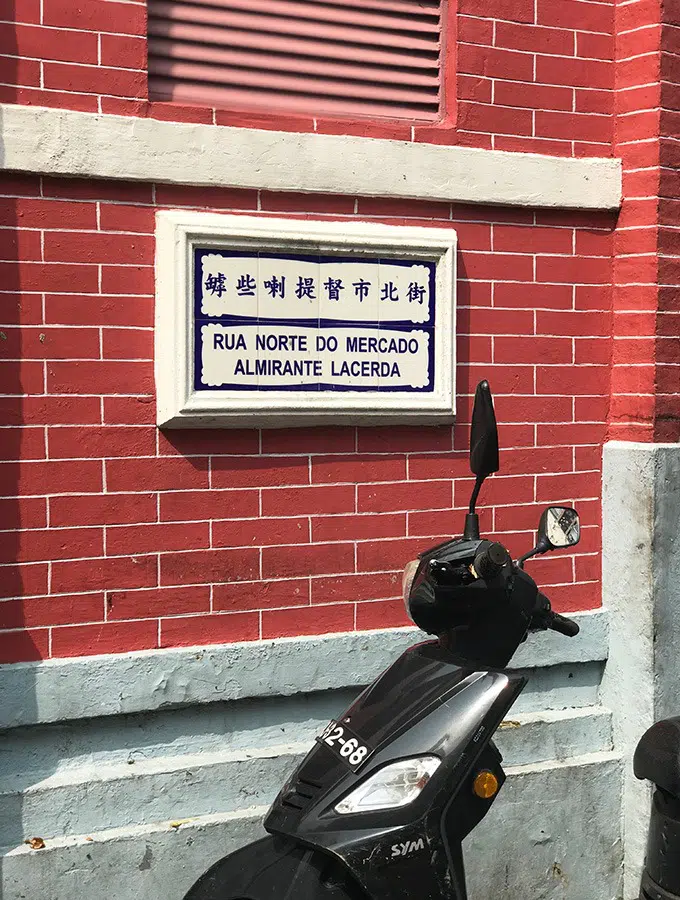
(489, 562)
(564, 625)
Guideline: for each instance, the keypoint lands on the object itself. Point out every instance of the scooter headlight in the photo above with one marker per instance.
(408, 578)
(392, 786)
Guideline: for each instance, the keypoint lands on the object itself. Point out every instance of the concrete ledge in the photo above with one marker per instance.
(548, 821)
(86, 687)
(69, 143)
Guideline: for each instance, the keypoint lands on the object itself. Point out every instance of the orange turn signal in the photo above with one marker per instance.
(485, 785)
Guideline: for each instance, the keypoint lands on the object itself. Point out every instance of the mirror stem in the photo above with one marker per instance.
(471, 532)
(542, 547)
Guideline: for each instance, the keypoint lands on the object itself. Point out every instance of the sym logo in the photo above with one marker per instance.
(407, 848)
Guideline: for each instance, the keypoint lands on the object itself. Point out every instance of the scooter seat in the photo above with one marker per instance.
(657, 756)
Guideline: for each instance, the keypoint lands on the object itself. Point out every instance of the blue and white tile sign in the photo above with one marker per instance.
(271, 322)
(276, 322)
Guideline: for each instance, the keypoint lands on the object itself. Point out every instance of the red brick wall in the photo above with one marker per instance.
(119, 537)
(532, 75)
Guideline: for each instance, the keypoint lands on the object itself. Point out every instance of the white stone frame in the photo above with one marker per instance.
(179, 405)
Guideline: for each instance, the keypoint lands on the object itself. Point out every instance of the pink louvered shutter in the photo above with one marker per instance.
(376, 58)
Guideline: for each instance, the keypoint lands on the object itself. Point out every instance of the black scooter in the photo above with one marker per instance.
(380, 805)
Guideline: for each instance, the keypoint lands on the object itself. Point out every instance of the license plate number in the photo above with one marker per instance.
(346, 745)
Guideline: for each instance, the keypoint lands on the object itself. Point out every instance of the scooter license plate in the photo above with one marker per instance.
(345, 744)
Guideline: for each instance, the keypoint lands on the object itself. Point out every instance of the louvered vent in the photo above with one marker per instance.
(336, 57)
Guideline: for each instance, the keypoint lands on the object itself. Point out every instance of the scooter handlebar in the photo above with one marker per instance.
(564, 625)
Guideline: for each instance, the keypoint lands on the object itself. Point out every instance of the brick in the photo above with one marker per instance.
(91, 15)
(632, 16)
(128, 279)
(637, 126)
(497, 266)
(102, 509)
(21, 309)
(45, 611)
(404, 496)
(95, 80)
(266, 120)
(534, 39)
(110, 637)
(114, 574)
(174, 112)
(558, 488)
(127, 343)
(353, 469)
(24, 646)
(433, 466)
(156, 474)
(344, 528)
(404, 439)
(188, 506)
(533, 145)
(585, 73)
(49, 43)
(261, 595)
(514, 380)
(30, 212)
(349, 588)
(129, 410)
(91, 247)
(317, 559)
(573, 433)
(19, 245)
(33, 97)
(403, 208)
(550, 570)
(50, 343)
(101, 377)
(259, 471)
(476, 31)
(309, 440)
(208, 566)
(499, 490)
(639, 270)
(474, 293)
(492, 63)
(576, 14)
(494, 118)
(207, 198)
(147, 604)
(389, 555)
(24, 443)
(581, 270)
(381, 614)
(23, 580)
(125, 51)
(442, 522)
(72, 309)
(51, 543)
(30, 276)
(634, 43)
(532, 96)
(290, 201)
(588, 457)
(595, 46)
(128, 218)
(532, 349)
(533, 460)
(473, 235)
(518, 239)
(638, 71)
(202, 442)
(13, 184)
(93, 189)
(472, 87)
(309, 500)
(156, 538)
(187, 631)
(592, 351)
(47, 410)
(50, 477)
(260, 532)
(594, 102)
(586, 379)
(315, 620)
(631, 100)
(545, 296)
(574, 126)
(510, 10)
(24, 512)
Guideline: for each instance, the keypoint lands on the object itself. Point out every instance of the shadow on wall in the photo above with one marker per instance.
(18, 377)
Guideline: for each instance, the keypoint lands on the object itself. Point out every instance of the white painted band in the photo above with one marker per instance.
(69, 143)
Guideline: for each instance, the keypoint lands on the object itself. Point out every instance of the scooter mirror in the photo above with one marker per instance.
(559, 527)
(484, 433)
